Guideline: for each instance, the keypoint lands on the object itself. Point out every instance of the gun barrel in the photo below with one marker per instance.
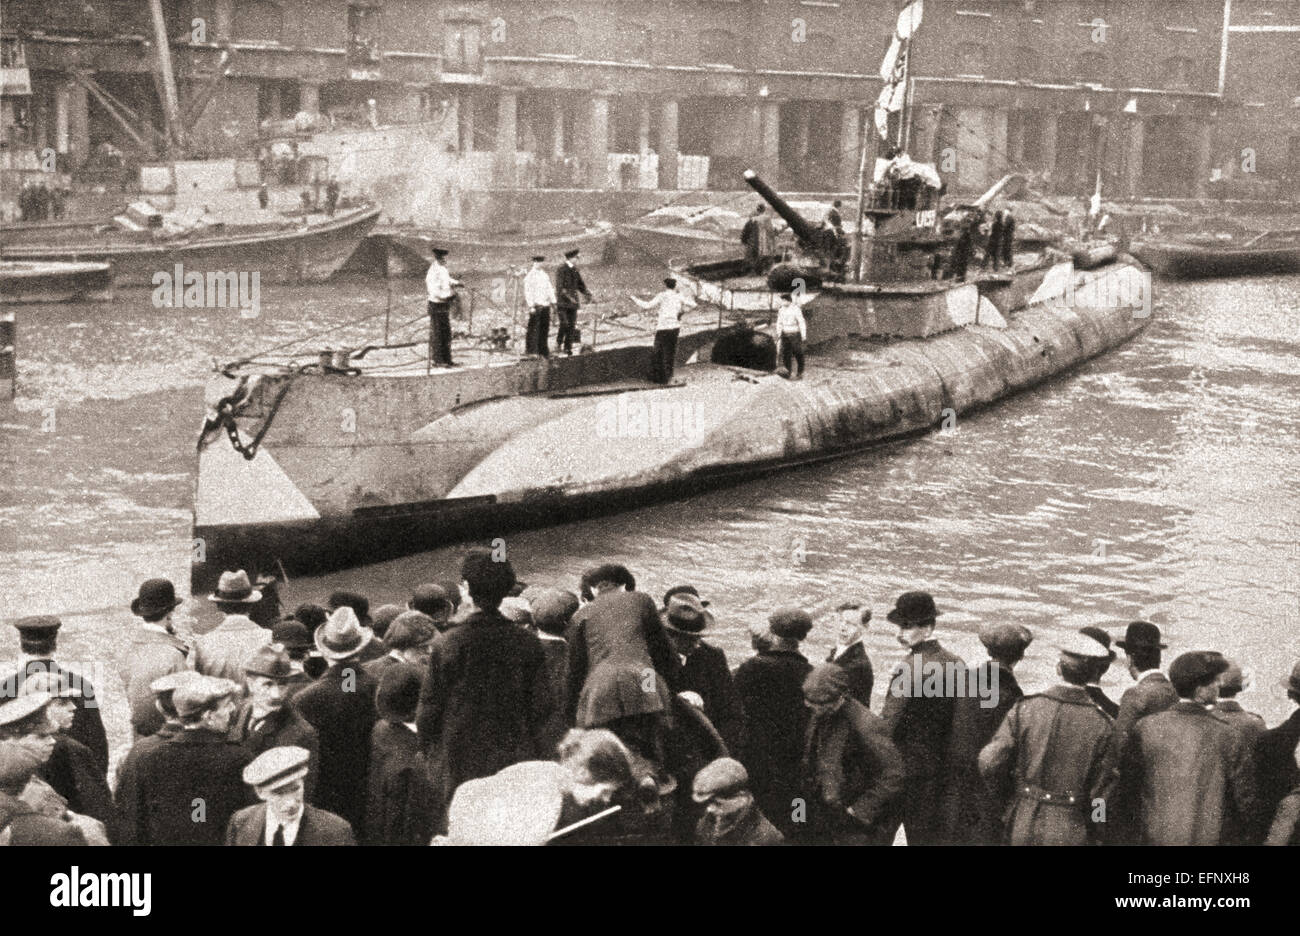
(803, 230)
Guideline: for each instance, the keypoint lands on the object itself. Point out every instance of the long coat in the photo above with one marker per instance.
(1051, 748)
(921, 726)
(285, 728)
(619, 626)
(402, 805)
(1277, 768)
(568, 287)
(770, 686)
(181, 791)
(483, 702)
(849, 762)
(74, 774)
(1252, 730)
(970, 815)
(857, 666)
(153, 655)
(225, 649)
(22, 825)
(1153, 693)
(87, 725)
(317, 827)
(706, 672)
(1190, 777)
(341, 707)
(555, 662)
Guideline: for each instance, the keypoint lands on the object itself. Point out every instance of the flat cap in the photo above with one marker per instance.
(271, 661)
(1192, 670)
(1083, 646)
(38, 625)
(277, 766)
(553, 608)
(410, 629)
(826, 683)
(173, 681)
(196, 696)
(722, 777)
(292, 634)
(15, 710)
(1005, 638)
(790, 623)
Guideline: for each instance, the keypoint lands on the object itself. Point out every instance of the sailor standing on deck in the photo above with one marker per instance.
(568, 287)
(669, 302)
(540, 296)
(439, 283)
(791, 333)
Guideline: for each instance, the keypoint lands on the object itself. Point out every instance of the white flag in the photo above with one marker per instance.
(910, 19)
(891, 59)
(882, 123)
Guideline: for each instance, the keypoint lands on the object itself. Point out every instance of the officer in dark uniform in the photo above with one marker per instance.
(568, 287)
(37, 639)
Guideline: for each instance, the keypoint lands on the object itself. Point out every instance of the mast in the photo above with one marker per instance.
(171, 103)
(904, 114)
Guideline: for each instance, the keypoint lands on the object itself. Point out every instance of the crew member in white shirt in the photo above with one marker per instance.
(439, 283)
(670, 303)
(540, 296)
(791, 333)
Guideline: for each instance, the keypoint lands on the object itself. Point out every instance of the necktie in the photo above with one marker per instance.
(278, 838)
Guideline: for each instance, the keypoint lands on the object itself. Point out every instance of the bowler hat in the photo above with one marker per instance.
(39, 625)
(341, 636)
(1190, 671)
(723, 777)
(790, 623)
(358, 603)
(686, 615)
(157, 596)
(270, 661)
(236, 588)
(913, 608)
(291, 634)
(1005, 638)
(826, 683)
(1142, 635)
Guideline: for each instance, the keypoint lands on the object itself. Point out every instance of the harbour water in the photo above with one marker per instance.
(1161, 482)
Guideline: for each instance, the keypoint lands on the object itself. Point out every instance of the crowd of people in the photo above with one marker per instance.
(488, 711)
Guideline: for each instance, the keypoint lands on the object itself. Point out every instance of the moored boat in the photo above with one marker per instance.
(311, 250)
(52, 281)
(410, 249)
(1192, 260)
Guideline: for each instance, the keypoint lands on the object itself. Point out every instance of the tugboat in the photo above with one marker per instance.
(311, 464)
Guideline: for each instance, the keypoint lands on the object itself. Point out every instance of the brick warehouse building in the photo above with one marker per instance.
(1155, 95)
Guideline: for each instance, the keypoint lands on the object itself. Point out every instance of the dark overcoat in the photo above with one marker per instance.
(285, 728)
(770, 686)
(74, 774)
(970, 815)
(857, 666)
(341, 707)
(87, 725)
(402, 806)
(706, 672)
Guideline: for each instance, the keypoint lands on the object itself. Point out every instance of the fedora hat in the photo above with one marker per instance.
(1142, 635)
(341, 636)
(913, 608)
(686, 614)
(236, 588)
(156, 597)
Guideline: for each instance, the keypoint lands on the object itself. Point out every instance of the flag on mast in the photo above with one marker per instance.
(893, 69)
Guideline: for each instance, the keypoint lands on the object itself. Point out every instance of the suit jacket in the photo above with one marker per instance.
(851, 763)
(1277, 769)
(970, 815)
(857, 666)
(754, 829)
(402, 805)
(21, 825)
(555, 663)
(87, 725)
(1104, 702)
(341, 707)
(568, 287)
(483, 702)
(706, 672)
(1190, 776)
(1153, 694)
(224, 650)
(618, 625)
(1055, 743)
(318, 827)
(285, 728)
(152, 656)
(770, 686)
(158, 788)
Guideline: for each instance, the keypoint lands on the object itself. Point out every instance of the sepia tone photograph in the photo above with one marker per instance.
(650, 422)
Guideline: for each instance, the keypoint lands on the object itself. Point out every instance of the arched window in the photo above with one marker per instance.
(558, 35)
